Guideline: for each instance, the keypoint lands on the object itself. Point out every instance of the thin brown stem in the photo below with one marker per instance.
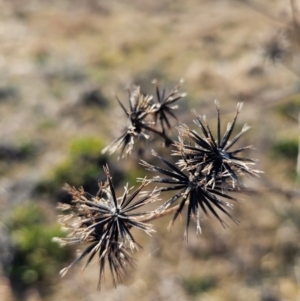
(296, 26)
(161, 214)
(298, 156)
(168, 140)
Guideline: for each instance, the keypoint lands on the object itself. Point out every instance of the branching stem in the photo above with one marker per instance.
(162, 214)
(168, 140)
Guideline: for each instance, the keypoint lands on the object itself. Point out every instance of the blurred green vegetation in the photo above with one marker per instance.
(37, 260)
(290, 107)
(82, 167)
(197, 285)
(86, 146)
(22, 151)
(13, 154)
(286, 148)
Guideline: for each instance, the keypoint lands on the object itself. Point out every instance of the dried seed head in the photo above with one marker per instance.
(142, 116)
(105, 222)
(275, 46)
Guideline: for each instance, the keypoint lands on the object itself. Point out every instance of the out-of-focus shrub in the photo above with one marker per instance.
(82, 167)
(36, 260)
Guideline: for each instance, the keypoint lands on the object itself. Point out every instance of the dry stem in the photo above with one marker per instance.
(162, 214)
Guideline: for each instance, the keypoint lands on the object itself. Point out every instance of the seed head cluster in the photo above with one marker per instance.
(104, 222)
(143, 115)
(208, 170)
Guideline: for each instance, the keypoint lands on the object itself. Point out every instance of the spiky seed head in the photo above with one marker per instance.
(105, 222)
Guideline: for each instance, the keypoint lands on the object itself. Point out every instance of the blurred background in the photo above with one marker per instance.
(61, 62)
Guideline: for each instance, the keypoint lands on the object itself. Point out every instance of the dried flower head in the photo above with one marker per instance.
(193, 187)
(105, 222)
(275, 46)
(139, 108)
(214, 157)
(165, 104)
(142, 117)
